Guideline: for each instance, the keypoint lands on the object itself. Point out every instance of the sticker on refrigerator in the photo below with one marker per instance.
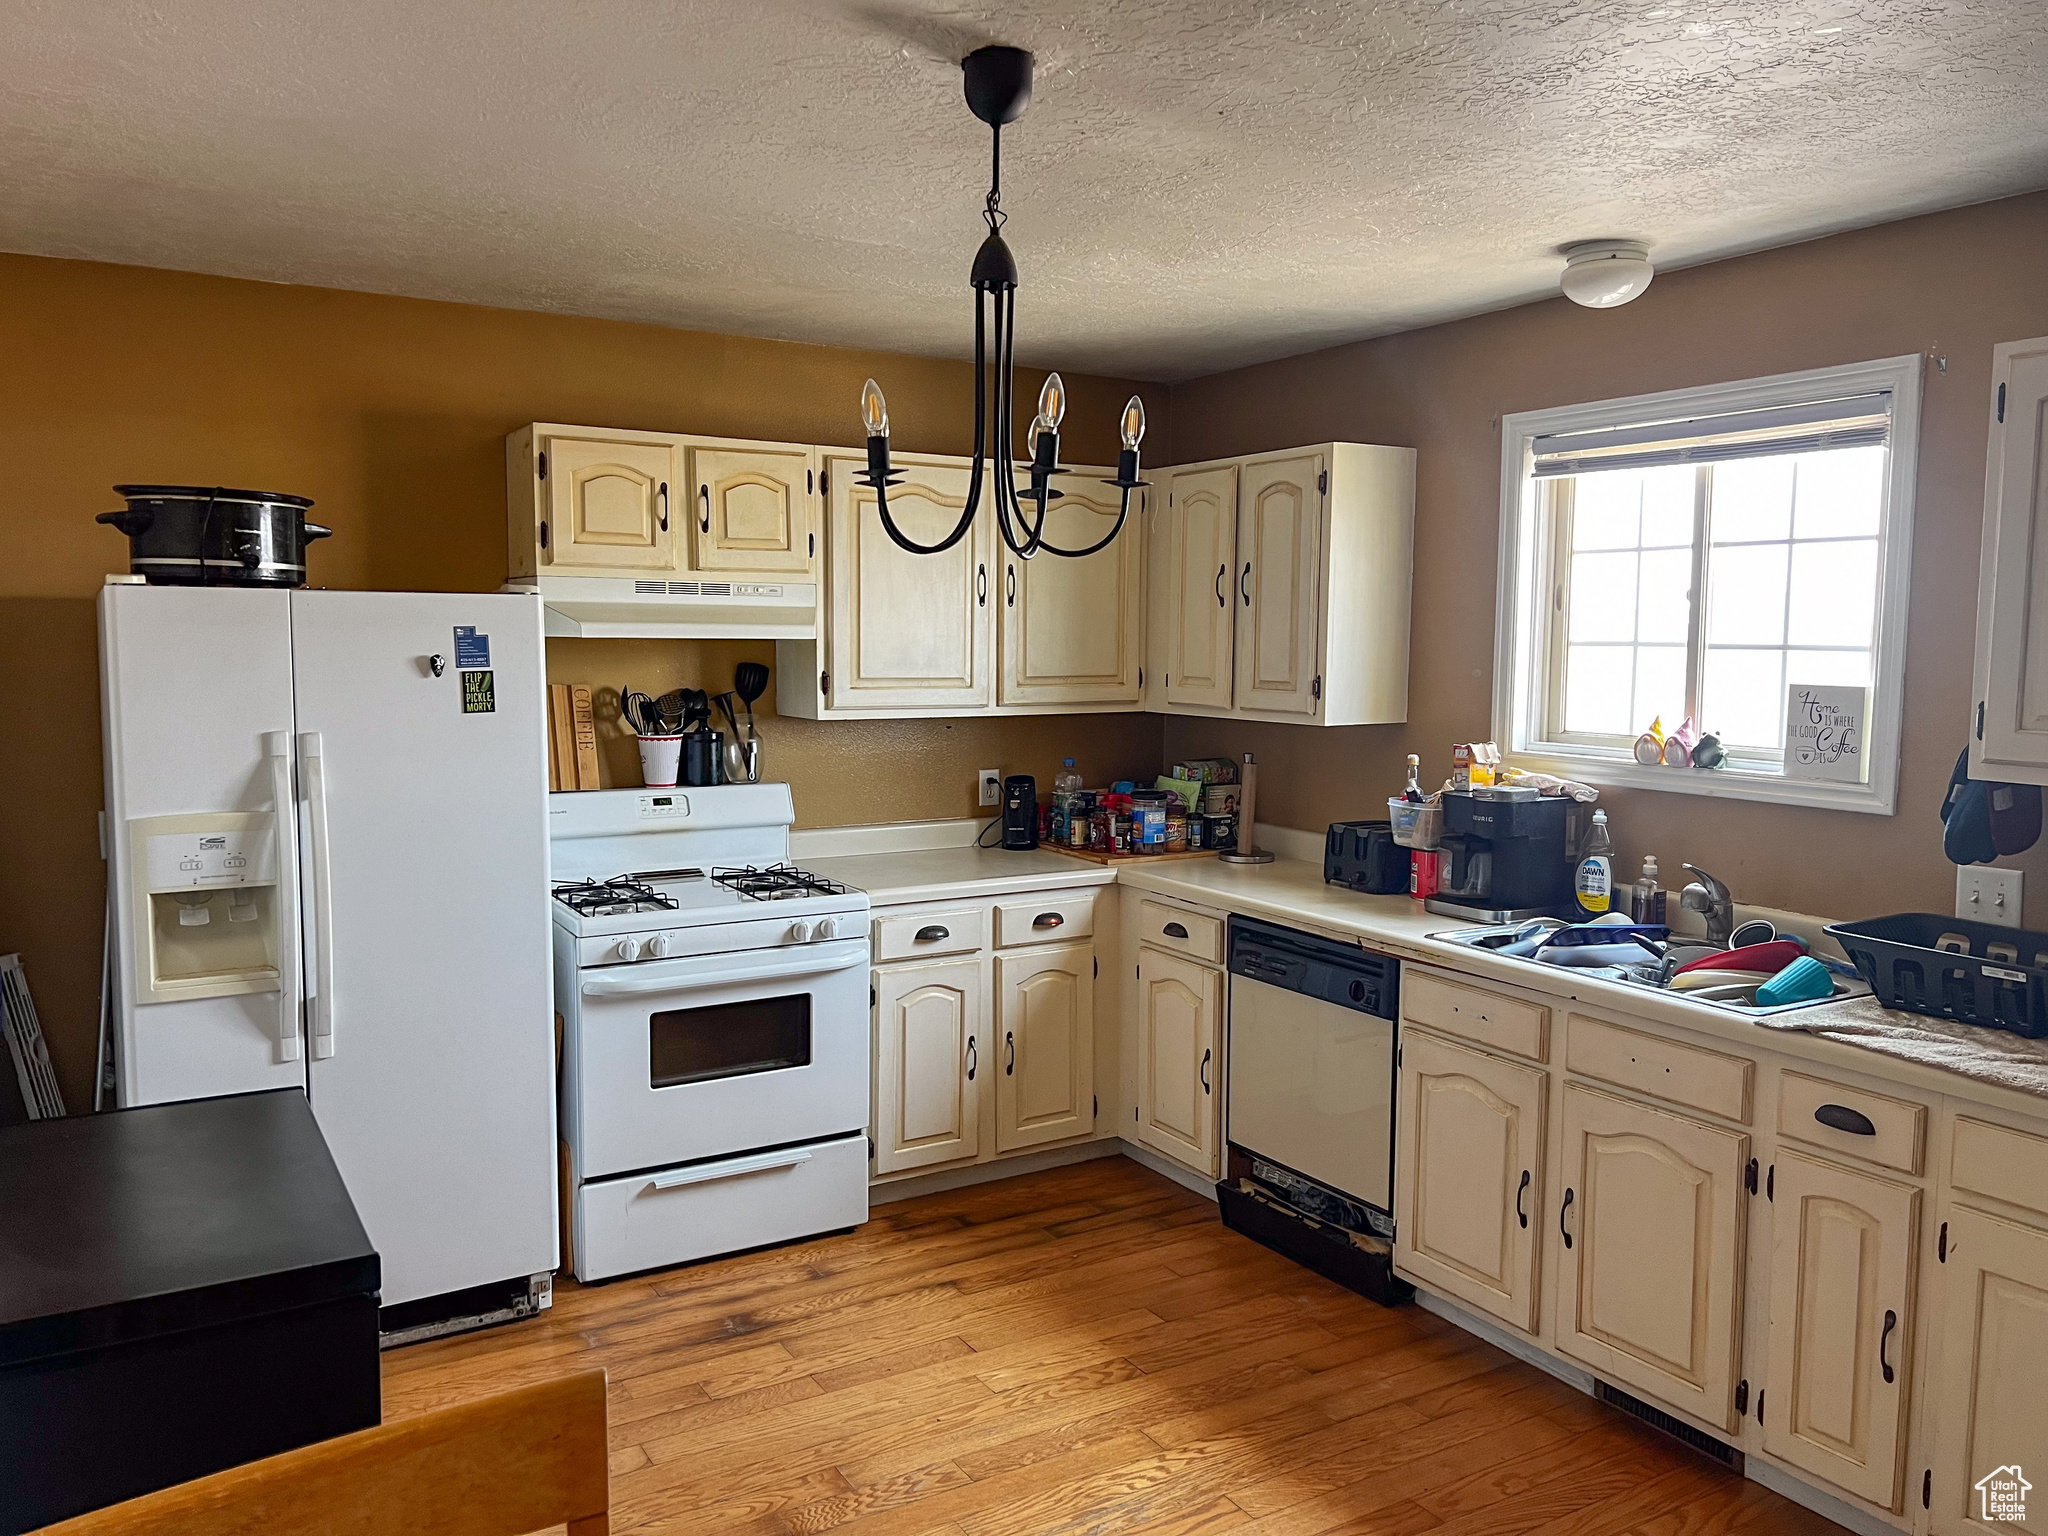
(477, 697)
(471, 648)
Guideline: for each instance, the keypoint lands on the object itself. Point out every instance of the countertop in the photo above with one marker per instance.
(1293, 891)
(940, 874)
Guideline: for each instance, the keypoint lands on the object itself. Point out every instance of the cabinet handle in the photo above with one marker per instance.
(1521, 1214)
(1206, 1051)
(981, 586)
(1891, 1321)
(1561, 1232)
(1010, 1040)
(1221, 572)
(704, 493)
(1841, 1117)
(1244, 584)
(1011, 600)
(933, 934)
(543, 533)
(1047, 920)
(1175, 931)
(664, 506)
(973, 1059)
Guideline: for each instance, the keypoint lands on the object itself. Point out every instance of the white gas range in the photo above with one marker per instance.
(715, 1027)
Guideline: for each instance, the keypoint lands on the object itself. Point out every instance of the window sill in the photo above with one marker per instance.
(1716, 783)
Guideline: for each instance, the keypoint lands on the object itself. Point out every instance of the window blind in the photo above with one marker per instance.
(1855, 421)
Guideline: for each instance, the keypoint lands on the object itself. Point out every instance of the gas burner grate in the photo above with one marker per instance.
(778, 882)
(609, 898)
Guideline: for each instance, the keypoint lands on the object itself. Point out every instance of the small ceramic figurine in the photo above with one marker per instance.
(1708, 753)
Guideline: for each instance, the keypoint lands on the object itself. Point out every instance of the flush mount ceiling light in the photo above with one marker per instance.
(1603, 273)
(998, 82)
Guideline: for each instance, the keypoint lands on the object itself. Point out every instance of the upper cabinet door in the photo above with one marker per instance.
(1070, 631)
(2010, 739)
(1843, 1249)
(1279, 576)
(1990, 1403)
(907, 631)
(750, 508)
(1649, 1274)
(1202, 519)
(611, 505)
(1469, 1186)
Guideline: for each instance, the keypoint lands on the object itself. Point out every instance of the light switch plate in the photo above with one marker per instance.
(991, 781)
(1986, 894)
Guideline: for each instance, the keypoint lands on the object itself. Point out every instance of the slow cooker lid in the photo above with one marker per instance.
(214, 493)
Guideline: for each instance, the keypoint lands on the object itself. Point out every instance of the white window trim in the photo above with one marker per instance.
(1521, 565)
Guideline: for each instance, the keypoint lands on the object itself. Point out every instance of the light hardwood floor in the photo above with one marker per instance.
(1083, 1350)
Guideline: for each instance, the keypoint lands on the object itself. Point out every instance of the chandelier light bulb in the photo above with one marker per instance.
(1052, 404)
(874, 410)
(1134, 423)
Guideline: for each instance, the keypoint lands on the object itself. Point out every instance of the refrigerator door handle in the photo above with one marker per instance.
(313, 772)
(278, 744)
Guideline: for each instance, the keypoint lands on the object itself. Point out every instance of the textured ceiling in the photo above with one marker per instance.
(1197, 184)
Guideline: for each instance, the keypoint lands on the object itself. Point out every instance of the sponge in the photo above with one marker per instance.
(1800, 982)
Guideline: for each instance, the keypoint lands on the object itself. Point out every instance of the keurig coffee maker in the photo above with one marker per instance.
(1504, 859)
(1020, 811)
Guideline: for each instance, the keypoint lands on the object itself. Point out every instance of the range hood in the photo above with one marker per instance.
(655, 608)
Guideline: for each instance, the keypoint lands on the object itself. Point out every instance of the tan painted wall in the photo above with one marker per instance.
(391, 414)
(1952, 284)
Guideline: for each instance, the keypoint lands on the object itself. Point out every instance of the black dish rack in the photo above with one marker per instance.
(1999, 981)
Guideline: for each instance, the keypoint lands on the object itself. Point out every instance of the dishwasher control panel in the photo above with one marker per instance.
(1307, 963)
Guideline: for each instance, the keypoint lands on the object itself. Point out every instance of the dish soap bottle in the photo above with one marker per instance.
(1646, 901)
(1593, 883)
(1413, 793)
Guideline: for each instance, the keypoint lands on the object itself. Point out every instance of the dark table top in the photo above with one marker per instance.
(147, 1221)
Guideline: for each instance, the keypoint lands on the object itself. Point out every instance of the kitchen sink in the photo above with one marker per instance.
(1737, 998)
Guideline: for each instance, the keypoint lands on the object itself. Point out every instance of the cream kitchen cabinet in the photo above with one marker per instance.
(2010, 738)
(974, 630)
(1844, 1251)
(1180, 1040)
(1650, 1253)
(1071, 631)
(930, 1022)
(1470, 1132)
(1195, 626)
(1045, 1029)
(1283, 592)
(752, 506)
(587, 501)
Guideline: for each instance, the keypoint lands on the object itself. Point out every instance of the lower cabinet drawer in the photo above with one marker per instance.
(1852, 1121)
(2005, 1164)
(1486, 1018)
(1684, 1074)
(933, 931)
(1193, 934)
(1057, 917)
(652, 1220)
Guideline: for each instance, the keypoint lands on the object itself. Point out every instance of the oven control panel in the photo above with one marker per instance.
(668, 806)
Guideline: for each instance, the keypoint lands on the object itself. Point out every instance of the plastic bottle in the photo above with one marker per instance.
(1646, 901)
(1413, 793)
(1593, 883)
(1066, 780)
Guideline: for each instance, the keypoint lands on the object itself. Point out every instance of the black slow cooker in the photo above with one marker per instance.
(213, 536)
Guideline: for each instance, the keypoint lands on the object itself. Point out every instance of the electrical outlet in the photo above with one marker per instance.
(991, 780)
(1988, 895)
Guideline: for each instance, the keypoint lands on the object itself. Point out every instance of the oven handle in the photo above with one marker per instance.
(732, 1169)
(684, 975)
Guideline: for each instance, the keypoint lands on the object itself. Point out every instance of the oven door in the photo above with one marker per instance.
(677, 1060)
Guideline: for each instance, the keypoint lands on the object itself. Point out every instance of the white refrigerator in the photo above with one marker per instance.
(326, 829)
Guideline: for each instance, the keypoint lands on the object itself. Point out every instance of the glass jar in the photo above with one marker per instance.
(1176, 827)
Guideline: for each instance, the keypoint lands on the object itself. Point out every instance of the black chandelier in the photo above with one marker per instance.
(998, 90)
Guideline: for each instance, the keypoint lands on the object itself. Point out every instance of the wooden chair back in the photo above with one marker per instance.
(506, 1465)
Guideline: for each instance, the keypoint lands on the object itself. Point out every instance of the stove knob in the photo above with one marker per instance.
(627, 949)
(799, 932)
(824, 928)
(657, 946)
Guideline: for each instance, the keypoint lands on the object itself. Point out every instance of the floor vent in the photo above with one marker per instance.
(1714, 1450)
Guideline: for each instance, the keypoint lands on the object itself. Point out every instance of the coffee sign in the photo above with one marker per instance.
(1824, 733)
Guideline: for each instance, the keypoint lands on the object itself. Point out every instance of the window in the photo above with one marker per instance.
(1694, 555)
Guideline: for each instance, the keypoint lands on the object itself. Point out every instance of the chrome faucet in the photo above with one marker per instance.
(1714, 901)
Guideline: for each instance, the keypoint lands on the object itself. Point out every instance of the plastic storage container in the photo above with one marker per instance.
(1998, 978)
(1416, 826)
